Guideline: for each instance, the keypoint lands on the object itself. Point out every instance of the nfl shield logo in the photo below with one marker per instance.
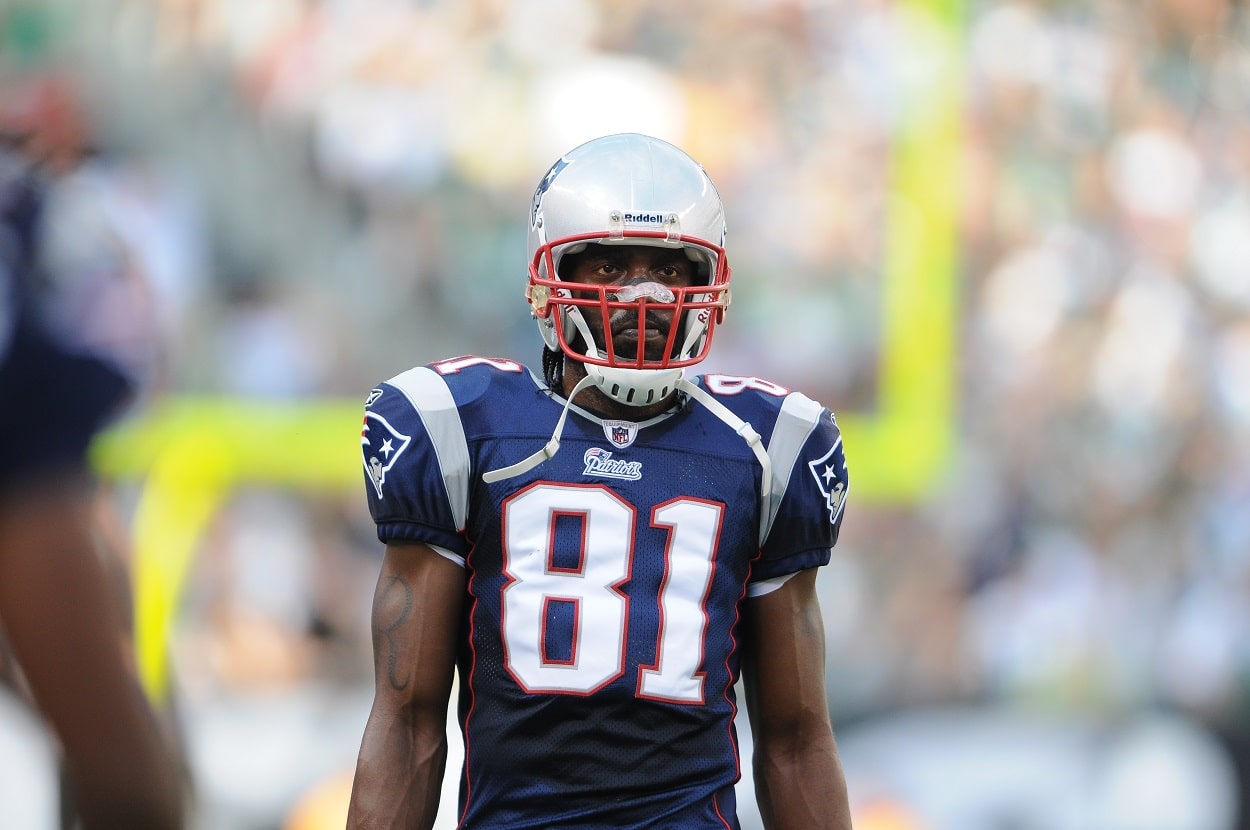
(620, 433)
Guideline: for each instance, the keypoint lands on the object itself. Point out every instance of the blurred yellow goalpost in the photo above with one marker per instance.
(189, 453)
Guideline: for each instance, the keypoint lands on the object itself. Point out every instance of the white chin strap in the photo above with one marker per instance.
(740, 427)
(549, 449)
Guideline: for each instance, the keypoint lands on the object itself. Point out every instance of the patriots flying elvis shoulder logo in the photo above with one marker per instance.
(381, 445)
(828, 470)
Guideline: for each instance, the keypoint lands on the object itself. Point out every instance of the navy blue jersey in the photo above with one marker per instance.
(53, 398)
(605, 584)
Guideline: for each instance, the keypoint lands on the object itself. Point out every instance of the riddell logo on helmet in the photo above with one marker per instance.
(645, 218)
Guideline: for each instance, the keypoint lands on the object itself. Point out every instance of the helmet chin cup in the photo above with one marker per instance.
(634, 387)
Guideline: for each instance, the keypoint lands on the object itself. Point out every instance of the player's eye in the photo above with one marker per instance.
(671, 273)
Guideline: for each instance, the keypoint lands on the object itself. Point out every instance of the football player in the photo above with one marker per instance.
(602, 550)
(58, 611)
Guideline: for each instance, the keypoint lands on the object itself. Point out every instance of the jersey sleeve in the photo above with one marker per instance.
(54, 397)
(416, 462)
(809, 490)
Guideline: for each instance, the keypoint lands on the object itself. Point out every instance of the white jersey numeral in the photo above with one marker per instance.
(455, 364)
(737, 384)
(694, 528)
(591, 589)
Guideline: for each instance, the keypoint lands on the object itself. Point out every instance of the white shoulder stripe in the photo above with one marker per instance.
(798, 417)
(426, 390)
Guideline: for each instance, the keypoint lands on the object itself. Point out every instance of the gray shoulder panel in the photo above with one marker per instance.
(426, 390)
(799, 415)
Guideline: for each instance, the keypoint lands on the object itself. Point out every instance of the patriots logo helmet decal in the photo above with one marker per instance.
(829, 471)
(381, 445)
(543, 186)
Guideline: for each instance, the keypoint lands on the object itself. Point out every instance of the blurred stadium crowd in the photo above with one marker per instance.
(294, 199)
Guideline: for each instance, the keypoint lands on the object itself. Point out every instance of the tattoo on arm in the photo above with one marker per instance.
(392, 610)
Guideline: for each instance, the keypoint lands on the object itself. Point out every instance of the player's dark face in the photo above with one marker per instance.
(643, 268)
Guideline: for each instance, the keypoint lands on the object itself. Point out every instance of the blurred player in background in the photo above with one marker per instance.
(600, 597)
(59, 611)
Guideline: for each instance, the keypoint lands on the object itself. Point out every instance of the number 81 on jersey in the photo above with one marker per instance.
(590, 589)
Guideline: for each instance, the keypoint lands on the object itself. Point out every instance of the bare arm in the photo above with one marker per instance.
(416, 619)
(64, 627)
(798, 777)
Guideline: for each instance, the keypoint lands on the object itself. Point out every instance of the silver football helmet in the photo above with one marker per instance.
(627, 189)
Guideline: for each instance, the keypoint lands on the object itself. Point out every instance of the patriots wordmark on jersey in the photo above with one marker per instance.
(605, 583)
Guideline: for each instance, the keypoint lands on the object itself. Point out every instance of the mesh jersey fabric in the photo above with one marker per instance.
(605, 585)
